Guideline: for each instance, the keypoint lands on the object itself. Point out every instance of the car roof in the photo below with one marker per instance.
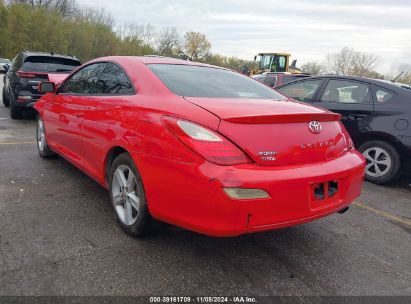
(379, 82)
(153, 59)
(51, 54)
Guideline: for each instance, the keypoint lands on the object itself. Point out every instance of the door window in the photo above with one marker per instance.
(17, 62)
(114, 81)
(270, 80)
(303, 90)
(345, 91)
(84, 81)
(383, 96)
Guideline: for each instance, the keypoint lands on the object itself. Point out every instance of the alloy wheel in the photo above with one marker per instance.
(125, 196)
(378, 162)
(41, 138)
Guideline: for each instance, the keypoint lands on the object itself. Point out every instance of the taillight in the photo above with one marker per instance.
(205, 142)
(25, 74)
(350, 144)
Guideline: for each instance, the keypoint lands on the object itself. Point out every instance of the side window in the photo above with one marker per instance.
(303, 90)
(114, 81)
(382, 95)
(84, 81)
(346, 91)
(17, 62)
(270, 80)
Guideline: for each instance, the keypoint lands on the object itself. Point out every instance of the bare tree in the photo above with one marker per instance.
(312, 68)
(143, 33)
(351, 62)
(196, 45)
(66, 8)
(168, 42)
(402, 73)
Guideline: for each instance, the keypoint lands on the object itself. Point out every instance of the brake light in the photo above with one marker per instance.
(25, 74)
(205, 142)
(350, 144)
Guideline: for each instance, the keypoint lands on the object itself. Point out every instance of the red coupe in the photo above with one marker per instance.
(198, 146)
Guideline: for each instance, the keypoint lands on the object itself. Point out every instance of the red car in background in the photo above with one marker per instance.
(198, 146)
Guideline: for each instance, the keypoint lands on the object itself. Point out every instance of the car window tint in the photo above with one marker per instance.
(17, 62)
(345, 91)
(50, 64)
(84, 81)
(289, 78)
(303, 90)
(383, 96)
(114, 81)
(270, 80)
(200, 81)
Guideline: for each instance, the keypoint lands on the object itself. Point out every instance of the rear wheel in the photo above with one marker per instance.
(15, 112)
(5, 98)
(128, 197)
(383, 161)
(43, 147)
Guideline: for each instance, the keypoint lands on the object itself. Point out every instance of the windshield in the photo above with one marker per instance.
(2, 60)
(50, 64)
(199, 81)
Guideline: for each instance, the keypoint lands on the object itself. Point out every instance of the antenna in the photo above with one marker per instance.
(398, 76)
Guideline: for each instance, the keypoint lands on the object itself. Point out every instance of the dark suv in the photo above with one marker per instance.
(27, 70)
(376, 113)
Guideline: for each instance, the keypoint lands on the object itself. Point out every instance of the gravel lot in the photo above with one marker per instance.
(58, 236)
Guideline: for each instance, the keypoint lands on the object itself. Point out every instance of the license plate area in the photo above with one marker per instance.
(325, 193)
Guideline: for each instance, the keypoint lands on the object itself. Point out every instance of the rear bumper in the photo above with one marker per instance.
(26, 100)
(191, 196)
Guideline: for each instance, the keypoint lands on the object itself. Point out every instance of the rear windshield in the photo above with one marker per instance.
(50, 64)
(199, 81)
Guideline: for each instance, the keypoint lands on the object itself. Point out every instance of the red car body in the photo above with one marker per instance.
(185, 189)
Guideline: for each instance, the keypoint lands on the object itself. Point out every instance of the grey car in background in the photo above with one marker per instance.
(3, 62)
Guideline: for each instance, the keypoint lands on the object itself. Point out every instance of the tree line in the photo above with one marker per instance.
(351, 62)
(63, 26)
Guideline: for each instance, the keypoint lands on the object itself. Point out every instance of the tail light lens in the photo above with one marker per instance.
(205, 142)
(25, 74)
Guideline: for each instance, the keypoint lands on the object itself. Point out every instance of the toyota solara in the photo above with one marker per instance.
(198, 146)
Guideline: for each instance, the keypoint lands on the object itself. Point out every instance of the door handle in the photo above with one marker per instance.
(356, 116)
(78, 115)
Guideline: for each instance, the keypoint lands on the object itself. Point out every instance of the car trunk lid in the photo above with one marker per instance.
(278, 132)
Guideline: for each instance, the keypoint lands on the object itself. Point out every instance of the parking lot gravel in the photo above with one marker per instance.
(58, 236)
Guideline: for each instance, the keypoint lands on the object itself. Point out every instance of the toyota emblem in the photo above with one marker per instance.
(315, 126)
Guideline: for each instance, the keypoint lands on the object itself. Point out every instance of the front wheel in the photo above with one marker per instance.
(383, 161)
(128, 196)
(42, 146)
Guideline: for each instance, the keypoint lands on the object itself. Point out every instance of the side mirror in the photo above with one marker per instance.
(47, 87)
(6, 67)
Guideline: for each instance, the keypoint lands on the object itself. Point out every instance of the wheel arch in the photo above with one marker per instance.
(110, 156)
(383, 137)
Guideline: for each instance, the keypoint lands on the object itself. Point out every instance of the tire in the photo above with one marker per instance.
(129, 202)
(6, 100)
(42, 146)
(383, 161)
(15, 112)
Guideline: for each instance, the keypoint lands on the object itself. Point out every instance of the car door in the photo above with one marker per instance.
(350, 98)
(304, 90)
(63, 115)
(11, 76)
(102, 116)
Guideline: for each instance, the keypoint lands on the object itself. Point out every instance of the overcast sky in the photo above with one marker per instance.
(307, 29)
